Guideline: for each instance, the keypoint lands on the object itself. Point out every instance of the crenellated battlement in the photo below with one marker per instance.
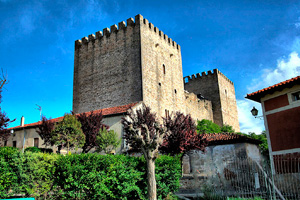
(203, 75)
(137, 22)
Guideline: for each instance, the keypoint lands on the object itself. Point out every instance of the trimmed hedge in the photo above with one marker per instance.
(35, 150)
(83, 176)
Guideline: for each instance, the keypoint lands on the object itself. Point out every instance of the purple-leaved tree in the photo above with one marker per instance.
(143, 132)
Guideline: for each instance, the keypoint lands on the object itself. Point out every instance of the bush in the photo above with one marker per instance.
(83, 176)
(32, 149)
(37, 174)
(168, 173)
(46, 150)
(10, 171)
(93, 176)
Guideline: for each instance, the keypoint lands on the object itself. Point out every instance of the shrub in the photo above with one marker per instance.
(46, 150)
(37, 173)
(168, 173)
(94, 176)
(32, 149)
(10, 171)
(83, 176)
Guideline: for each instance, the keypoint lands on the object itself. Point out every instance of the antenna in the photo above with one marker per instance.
(40, 109)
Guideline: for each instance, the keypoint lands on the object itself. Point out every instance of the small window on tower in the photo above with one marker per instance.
(164, 69)
(175, 91)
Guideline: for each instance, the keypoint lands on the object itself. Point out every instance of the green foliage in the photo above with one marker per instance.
(33, 149)
(255, 198)
(207, 126)
(9, 169)
(37, 174)
(107, 140)
(83, 176)
(46, 150)
(93, 176)
(168, 173)
(68, 133)
(227, 129)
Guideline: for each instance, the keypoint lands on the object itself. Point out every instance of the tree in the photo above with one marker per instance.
(4, 119)
(4, 123)
(182, 135)
(90, 125)
(44, 129)
(68, 133)
(207, 126)
(142, 131)
(107, 140)
(227, 129)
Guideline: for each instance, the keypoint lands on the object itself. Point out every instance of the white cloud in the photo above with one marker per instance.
(247, 122)
(285, 69)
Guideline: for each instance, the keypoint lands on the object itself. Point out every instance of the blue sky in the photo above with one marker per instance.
(255, 43)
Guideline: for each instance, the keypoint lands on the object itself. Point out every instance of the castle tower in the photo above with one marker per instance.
(216, 87)
(128, 63)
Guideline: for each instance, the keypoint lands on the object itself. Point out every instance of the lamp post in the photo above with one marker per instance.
(254, 112)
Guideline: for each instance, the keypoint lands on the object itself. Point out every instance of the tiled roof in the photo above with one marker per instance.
(228, 138)
(256, 96)
(105, 112)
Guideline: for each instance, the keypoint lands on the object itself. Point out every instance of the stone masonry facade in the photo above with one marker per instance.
(136, 62)
(216, 87)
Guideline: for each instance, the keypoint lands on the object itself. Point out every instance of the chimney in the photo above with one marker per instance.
(22, 121)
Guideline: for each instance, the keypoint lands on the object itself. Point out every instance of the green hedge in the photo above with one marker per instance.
(83, 176)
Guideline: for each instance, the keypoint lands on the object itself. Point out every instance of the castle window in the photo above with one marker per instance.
(164, 69)
(175, 91)
(159, 84)
(14, 143)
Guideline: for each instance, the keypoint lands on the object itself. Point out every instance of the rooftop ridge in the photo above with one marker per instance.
(139, 20)
(204, 75)
(105, 112)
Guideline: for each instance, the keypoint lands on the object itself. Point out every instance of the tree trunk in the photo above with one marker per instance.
(151, 179)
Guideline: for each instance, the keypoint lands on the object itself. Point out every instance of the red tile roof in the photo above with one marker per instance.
(228, 138)
(105, 112)
(256, 96)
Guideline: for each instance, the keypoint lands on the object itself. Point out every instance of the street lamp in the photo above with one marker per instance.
(254, 112)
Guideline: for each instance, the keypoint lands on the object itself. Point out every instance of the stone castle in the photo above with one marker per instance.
(136, 62)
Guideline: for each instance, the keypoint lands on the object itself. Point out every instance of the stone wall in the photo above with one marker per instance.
(228, 101)
(138, 62)
(219, 161)
(217, 88)
(107, 68)
(198, 108)
(161, 70)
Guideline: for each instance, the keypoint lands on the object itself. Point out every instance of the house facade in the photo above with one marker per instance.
(281, 112)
